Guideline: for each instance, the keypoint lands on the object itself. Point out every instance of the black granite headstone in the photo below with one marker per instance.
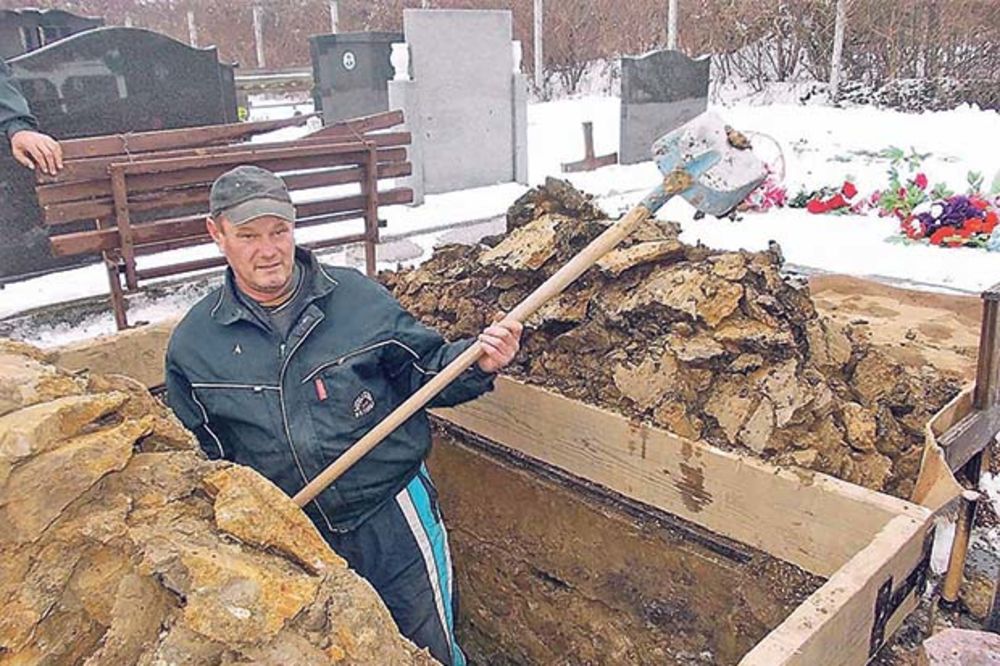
(661, 91)
(351, 71)
(23, 30)
(104, 81)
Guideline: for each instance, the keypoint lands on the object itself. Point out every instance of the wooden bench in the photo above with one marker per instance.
(147, 193)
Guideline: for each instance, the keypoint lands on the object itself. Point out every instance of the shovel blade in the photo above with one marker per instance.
(735, 173)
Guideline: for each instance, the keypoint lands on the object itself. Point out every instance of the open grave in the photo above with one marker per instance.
(592, 521)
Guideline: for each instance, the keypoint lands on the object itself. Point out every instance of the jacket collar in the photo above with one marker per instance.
(318, 283)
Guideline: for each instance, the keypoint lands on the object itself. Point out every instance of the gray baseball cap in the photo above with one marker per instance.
(248, 192)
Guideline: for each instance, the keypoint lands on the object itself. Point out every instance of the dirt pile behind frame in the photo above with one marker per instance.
(122, 544)
(716, 346)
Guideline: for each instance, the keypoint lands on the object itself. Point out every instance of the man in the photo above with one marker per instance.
(290, 362)
(28, 146)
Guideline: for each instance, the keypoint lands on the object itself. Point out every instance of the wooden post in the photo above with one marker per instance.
(539, 60)
(334, 17)
(369, 188)
(258, 34)
(672, 25)
(967, 439)
(110, 259)
(959, 549)
(590, 161)
(988, 369)
(120, 193)
(838, 48)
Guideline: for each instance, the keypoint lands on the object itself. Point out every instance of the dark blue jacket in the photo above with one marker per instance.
(14, 113)
(290, 408)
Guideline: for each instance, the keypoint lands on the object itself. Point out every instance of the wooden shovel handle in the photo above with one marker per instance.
(554, 286)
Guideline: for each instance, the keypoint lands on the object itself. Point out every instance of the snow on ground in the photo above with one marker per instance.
(820, 146)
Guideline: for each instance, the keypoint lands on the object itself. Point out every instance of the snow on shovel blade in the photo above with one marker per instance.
(735, 174)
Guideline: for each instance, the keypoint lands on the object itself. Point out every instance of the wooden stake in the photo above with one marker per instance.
(959, 549)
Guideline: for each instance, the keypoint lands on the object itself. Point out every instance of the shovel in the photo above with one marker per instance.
(704, 161)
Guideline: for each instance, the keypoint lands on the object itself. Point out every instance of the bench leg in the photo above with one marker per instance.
(117, 295)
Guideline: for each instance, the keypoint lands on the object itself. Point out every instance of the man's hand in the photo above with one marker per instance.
(31, 148)
(500, 343)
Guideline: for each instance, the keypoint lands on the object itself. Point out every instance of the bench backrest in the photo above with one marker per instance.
(146, 193)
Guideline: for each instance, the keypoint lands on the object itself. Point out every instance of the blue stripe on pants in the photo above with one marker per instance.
(402, 550)
(438, 537)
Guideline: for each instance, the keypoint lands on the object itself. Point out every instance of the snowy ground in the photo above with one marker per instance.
(818, 145)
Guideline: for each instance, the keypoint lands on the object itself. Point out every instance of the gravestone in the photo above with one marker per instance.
(464, 98)
(661, 91)
(104, 81)
(351, 71)
(23, 30)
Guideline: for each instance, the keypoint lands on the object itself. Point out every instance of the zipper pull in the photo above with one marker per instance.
(281, 350)
(321, 393)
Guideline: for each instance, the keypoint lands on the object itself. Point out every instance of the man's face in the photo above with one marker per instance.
(261, 253)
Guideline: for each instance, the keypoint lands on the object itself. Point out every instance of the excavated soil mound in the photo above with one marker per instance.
(121, 544)
(718, 346)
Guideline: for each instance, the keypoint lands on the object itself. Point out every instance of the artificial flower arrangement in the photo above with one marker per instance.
(934, 215)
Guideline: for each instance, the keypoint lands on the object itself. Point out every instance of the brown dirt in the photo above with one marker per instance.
(122, 544)
(916, 328)
(552, 573)
(714, 346)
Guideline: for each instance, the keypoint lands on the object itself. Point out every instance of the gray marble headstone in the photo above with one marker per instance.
(661, 91)
(465, 102)
(104, 81)
(351, 71)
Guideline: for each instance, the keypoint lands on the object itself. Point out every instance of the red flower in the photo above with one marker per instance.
(835, 202)
(816, 206)
(990, 222)
(848, 190)
(921, 181)
(944, 232)
(902, 193)
(981, 204)
(973, 225)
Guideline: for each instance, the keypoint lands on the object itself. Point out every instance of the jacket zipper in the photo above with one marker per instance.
(284, 412)
(357, 352)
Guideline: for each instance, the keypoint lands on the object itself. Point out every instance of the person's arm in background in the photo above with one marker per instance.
(29, 146)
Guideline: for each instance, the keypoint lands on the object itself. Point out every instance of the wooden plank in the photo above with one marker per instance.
(64, 213)
(988, 365)
(88, 199)
(784, 512)
(138, 142)
(215, 262)
(970, 436)
(399, 195)
(250, 155)
(936, 486)
(58, 214)
(861, 605)
(362, 125)
(87, 178)
(97, 168)
(90, 242)
(369, 188)
(126, 242)
(202, 238)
